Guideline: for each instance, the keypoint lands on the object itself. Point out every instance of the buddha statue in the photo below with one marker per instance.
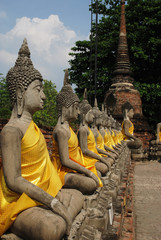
(103, 130)
(33, 204)
(110, 134)
(158, 136)
(67, 155)
(98, 137)
(118, 130)
(116, 133)
(158, 139)
(87, 139)
(128, 127)
(109, 140)
(155, 145)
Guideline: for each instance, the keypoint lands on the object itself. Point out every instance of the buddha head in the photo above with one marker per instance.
(67, 102)
(105, 117)
(127, 110)
(108, 120)
(20, 77)
(86, 113)
(118, 126)
(97, 114)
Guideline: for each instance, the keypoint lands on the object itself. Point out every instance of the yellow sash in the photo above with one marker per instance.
(131, 130)
(37, 168)
(116, 137)
(160, 136)
(121, 136)
(89, 161)
(100, 141)
(75, 154)
(107, 140)
(91, 142)
(110, 139)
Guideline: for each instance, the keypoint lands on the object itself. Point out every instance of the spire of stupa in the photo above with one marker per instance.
(122, 73)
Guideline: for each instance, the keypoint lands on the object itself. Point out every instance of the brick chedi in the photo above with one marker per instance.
(122, 89)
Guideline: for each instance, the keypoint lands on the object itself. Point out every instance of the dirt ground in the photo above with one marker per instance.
(147, 200)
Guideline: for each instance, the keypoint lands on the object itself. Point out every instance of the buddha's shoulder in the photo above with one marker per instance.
(61, 129)
(11, 130)
(83, 128)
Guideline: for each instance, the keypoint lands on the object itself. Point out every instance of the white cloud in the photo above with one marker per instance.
(49, 41)
(3, 15)
(6, 57)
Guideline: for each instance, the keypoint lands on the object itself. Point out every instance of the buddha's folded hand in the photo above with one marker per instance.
(58, 208)
(95, 178)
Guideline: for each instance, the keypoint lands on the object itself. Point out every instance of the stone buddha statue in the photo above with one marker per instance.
(109, 140)
(155, 145)
(98, 137)
(87, 139)
(128, 127)
(33, 204)
(103, 130)
(158, 139)
(110, 134)
(67, 155)
(116, 132)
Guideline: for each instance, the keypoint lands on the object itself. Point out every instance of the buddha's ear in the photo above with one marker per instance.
(62, 117)
(125, 113)
(83, 119)
(20, 99)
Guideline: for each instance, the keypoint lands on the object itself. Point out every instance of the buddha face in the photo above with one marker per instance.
(73, 111)
(89, 117)
(99, 120)
(34, 97)
(104, 122)
(130, 113)
(114, 124)
(108, 123)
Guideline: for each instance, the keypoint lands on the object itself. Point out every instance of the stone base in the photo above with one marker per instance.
(155, 151)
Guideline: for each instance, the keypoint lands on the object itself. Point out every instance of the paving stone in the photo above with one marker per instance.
(147, 201)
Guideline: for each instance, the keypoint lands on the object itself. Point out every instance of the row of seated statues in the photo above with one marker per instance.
(40, 197)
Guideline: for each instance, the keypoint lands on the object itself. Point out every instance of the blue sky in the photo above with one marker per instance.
(51, 28)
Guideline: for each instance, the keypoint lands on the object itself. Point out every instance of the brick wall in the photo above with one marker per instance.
(142, 128)
(133, 97)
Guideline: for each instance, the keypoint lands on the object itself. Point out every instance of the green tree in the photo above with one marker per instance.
(48, 116)
(143, 25)
(5, 105)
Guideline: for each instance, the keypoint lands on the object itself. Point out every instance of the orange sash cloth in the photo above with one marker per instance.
(100, 143)
(120, 136)
(131, 130)
(116, 137)
(112, 141)
(36, 167)
(107, 140)
(75, 154)
(160, 136)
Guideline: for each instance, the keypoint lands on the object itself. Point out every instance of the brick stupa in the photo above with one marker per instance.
(122, 89)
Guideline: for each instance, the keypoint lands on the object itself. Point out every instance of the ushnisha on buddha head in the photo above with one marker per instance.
(67, 101)
(20, 77)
